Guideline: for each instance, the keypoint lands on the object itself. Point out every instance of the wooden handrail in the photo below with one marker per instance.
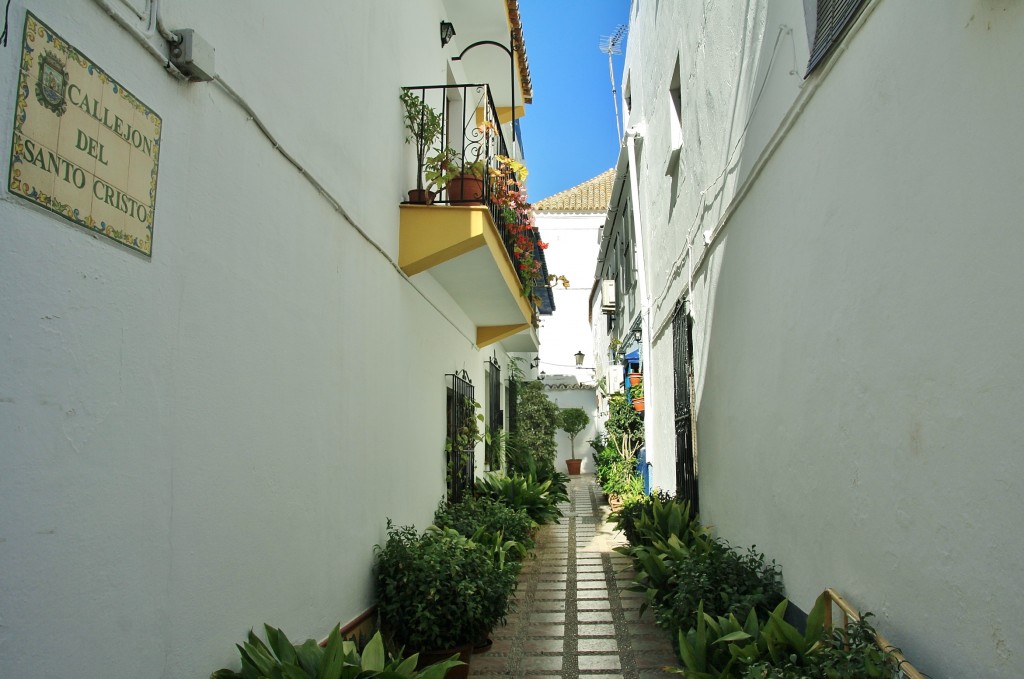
(850, 613)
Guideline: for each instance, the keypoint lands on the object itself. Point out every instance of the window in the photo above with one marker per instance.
(831, 19)
(462, 435)
(627, 98)
(675, 96)
(493, 414)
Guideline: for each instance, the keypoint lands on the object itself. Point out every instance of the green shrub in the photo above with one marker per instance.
(337, 659)
(661, 516)
(438, 590)
(725, 580)
(625, 426)
(634, 510)
(720, 647)
(537, 421)
(615, 462)
(604, 461)
(521, 492)
(846, 652)
(486, 514)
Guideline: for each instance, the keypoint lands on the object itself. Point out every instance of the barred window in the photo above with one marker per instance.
(832, 18)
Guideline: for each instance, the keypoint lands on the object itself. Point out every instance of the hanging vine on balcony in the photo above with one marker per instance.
(509, 194)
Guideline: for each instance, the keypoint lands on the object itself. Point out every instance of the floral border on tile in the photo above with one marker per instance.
(37, 30)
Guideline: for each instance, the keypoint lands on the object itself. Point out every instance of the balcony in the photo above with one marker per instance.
(475, 243)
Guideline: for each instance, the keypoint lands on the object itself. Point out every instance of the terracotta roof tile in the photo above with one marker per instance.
(590, 196)
(524, 65)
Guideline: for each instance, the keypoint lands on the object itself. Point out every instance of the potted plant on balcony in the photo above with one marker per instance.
(466, 185)
(424, 126)
(573, 421)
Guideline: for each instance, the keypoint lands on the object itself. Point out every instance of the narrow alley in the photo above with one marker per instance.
(575, 616)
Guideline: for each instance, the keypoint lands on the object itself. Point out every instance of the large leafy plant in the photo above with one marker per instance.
(725, 580)
(641, 509)
(722, 648)
(339, 658)
(537, 419)
(625, 426)
(489, 516)
(521, 492)
(435, 590)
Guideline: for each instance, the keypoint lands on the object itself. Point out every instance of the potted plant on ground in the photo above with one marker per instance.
(437, 593)
(424, 126)
(573, 421)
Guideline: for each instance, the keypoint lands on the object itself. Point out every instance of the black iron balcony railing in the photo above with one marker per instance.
(468, 163)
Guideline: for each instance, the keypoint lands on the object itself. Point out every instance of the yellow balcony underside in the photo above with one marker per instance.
(463, 251)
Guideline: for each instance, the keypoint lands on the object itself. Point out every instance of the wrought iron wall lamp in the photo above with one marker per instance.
(447, 32)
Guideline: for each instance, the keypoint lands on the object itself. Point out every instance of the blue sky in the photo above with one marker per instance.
(569, 131)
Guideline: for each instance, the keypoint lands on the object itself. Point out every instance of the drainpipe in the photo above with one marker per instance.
(632, 134)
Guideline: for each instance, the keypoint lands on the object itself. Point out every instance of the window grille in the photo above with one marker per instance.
(512, 402)
(832, 18)
(682, 368)
(460, 444)
(492, 386)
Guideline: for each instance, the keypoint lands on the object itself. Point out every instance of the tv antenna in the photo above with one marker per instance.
(612, 44)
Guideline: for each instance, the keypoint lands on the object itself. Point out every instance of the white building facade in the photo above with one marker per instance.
(570, 222)
(822, 227)
(206, 423)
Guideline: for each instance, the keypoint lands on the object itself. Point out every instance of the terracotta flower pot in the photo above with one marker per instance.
(465, 652)
(466, 191)
(421, 197)
(634, 378)
(638, 404)
(573, 466)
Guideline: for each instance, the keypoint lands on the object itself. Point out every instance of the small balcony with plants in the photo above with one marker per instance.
(466, 220)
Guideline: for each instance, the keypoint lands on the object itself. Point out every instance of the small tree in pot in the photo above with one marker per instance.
(425, 126)
(573, 421)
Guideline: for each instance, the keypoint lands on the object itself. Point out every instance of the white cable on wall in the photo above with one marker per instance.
(144, 39)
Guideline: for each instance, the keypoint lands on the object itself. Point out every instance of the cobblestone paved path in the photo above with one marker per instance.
(575, 616)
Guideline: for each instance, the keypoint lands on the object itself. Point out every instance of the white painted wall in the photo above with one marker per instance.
(572, 240)
(572, 252)
(857, 326)
(211, 439)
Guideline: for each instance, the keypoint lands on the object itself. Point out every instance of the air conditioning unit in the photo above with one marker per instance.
(608, 296)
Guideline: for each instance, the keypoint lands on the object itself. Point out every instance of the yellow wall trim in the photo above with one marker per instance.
(505, 113)
(432, 234)
(495, 333)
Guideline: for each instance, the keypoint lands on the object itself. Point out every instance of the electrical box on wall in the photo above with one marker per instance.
(193, 56)
(608, 296)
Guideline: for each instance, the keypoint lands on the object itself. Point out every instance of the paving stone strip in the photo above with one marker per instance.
(575, 616)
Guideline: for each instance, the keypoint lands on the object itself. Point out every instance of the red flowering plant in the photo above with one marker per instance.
(509, 195)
